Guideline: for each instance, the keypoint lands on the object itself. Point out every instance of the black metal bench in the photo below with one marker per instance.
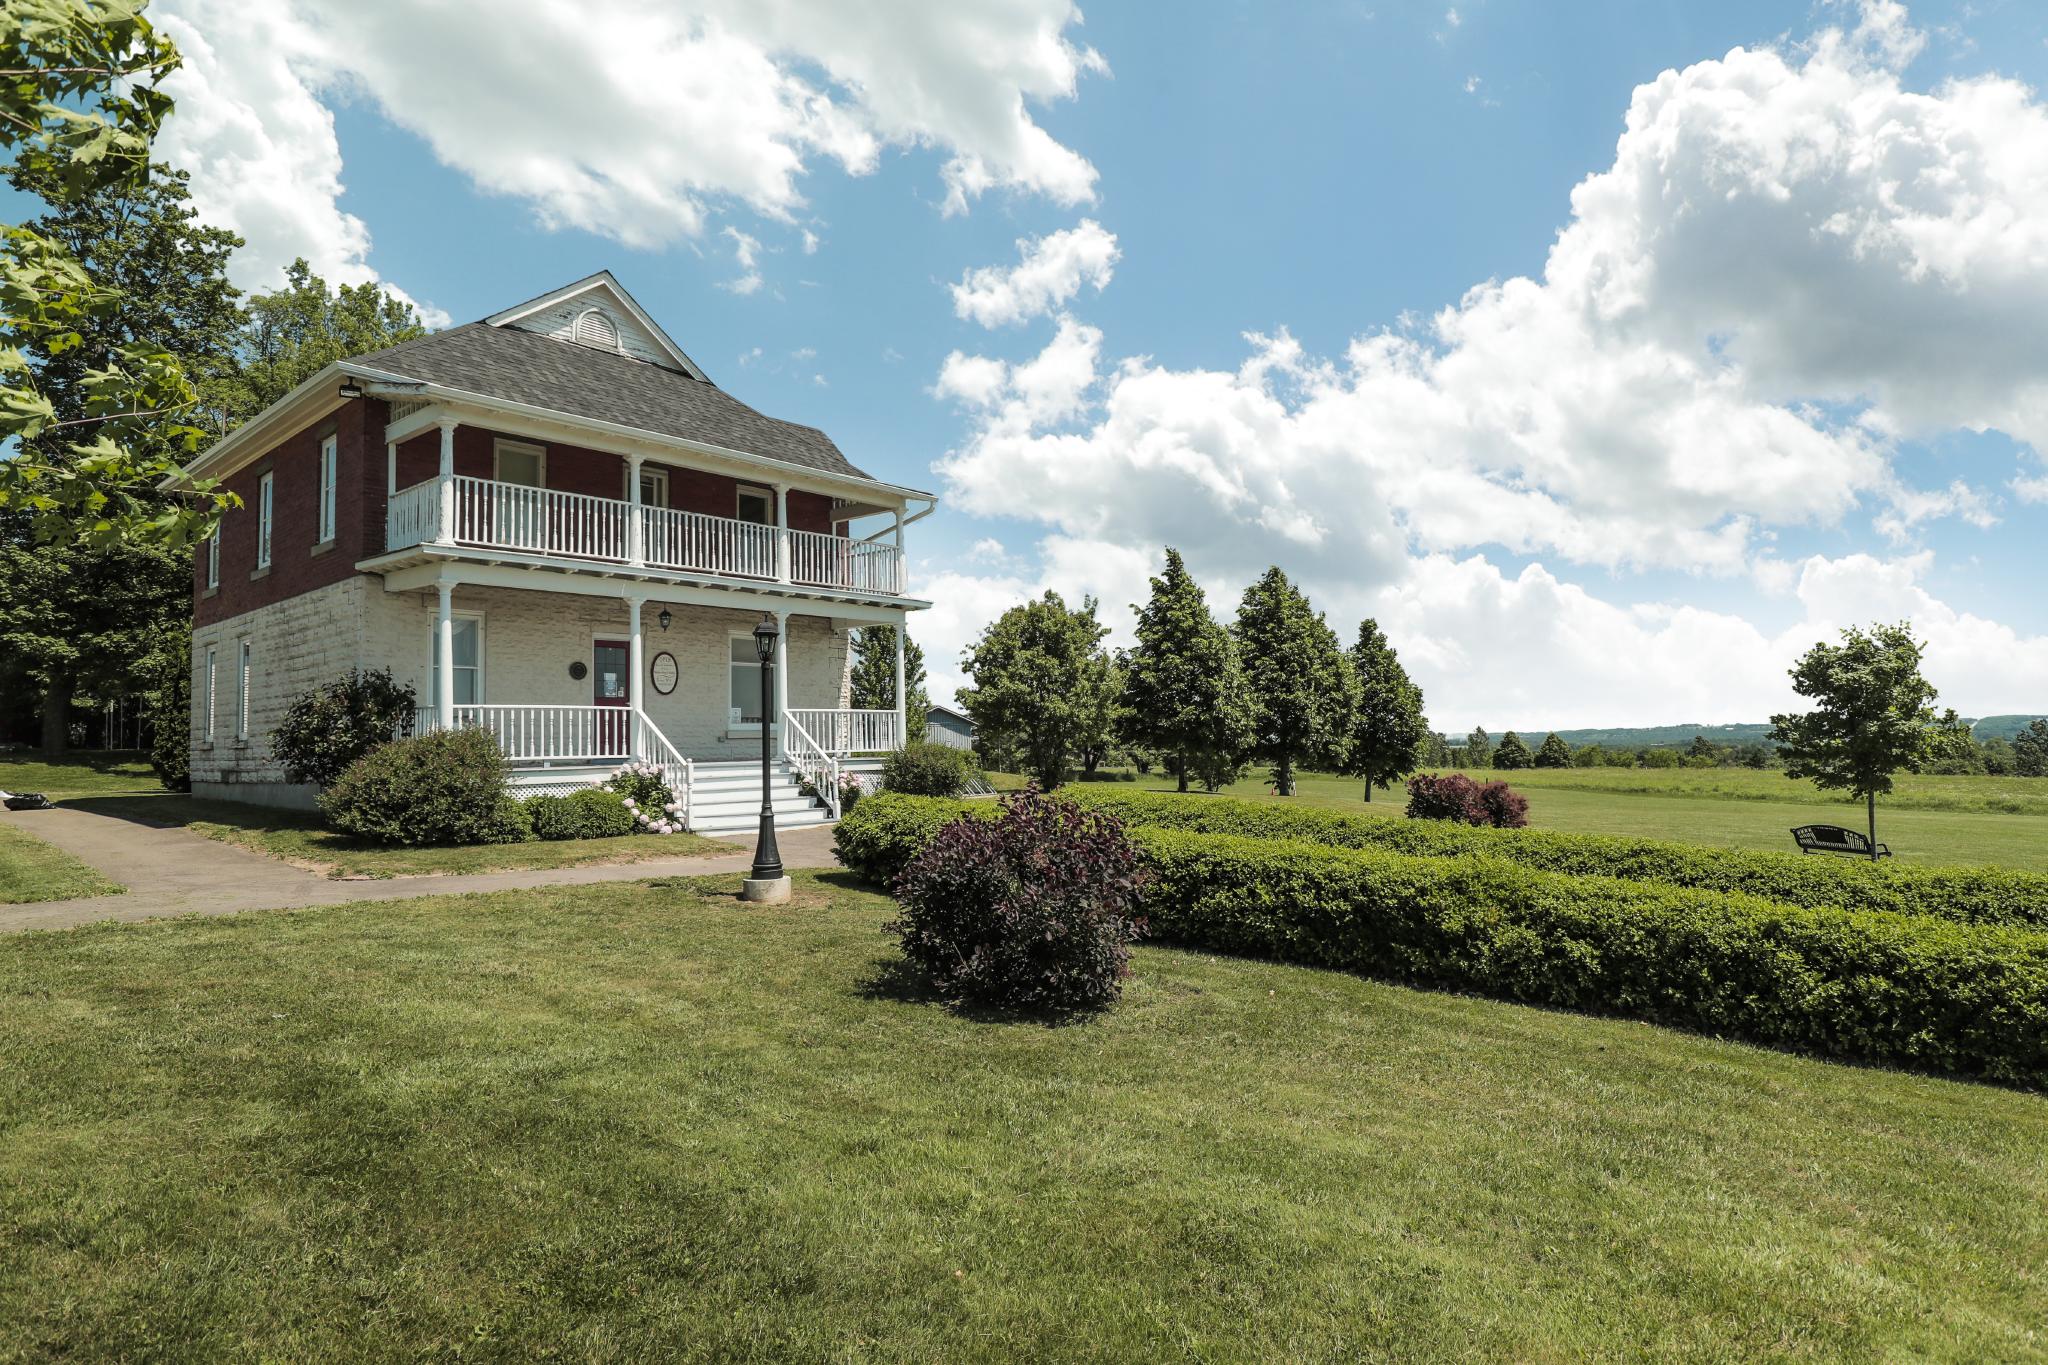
(1835, 839)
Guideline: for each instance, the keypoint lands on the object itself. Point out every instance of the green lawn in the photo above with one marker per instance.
(301, 839)
(92, 774)
(1726, 807)
(31, 870)
(645, 1122)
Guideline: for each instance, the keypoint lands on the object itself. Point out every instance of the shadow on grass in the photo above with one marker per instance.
(173, 810)
(897, 980)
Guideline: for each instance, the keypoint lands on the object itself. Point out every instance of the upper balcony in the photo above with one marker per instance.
(485, 514)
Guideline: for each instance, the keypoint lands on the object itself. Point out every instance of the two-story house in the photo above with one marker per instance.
(554, 526)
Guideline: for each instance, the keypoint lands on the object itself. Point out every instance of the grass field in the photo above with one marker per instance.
(1726, 807)
(642, 1121)
(96, 774)
(31, 870)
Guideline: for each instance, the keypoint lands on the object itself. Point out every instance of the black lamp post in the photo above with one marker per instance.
(767, 858)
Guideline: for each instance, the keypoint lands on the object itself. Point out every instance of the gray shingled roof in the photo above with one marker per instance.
(527, 367)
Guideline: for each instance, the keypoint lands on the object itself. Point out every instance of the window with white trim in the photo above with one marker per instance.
(468, 629)
(743, 698)
(329, 448)
(593, 328)
(242, 680)
(520, 462)
(264, 504)
(209, 684)
(213, 559)
(756, 505)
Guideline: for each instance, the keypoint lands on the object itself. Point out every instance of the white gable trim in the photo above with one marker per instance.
(603, 282)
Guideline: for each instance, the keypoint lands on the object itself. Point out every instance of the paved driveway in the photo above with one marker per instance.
(170, 871)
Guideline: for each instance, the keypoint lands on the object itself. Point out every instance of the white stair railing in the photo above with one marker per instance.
(677, 773)
(812, 762)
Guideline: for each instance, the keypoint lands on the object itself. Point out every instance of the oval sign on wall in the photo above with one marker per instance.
(662, 672)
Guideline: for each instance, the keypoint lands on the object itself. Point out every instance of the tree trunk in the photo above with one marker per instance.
(1180, 763)
(1871, 798)
(1283, 776)
(56, 717)
(1368, 791)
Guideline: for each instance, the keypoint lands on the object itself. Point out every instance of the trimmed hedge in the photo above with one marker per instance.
(1975, 895)
(445, 788)
(593, 813)
(1884, 987)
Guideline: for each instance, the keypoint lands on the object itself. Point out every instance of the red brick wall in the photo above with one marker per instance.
(294, 464)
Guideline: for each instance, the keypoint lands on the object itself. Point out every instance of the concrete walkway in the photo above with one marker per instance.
(171, 871)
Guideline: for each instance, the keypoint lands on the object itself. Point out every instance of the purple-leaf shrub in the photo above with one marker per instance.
(1035, 909)
(1454, 796)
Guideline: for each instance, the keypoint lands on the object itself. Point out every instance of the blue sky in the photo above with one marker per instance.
(1322, 170)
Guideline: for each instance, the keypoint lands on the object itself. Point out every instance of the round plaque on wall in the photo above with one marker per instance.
(662, 672)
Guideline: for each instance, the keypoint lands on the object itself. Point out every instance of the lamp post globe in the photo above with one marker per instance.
(767, 881)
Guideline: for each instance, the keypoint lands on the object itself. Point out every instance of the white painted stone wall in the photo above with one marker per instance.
(295, 644)
(530, 639)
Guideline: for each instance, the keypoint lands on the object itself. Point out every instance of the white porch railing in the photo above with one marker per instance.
(838, 562)
(841, 733)
(413, 515)
(678, 774)
(812, 762)
(556, 734)
(693, 541)
(546, 521)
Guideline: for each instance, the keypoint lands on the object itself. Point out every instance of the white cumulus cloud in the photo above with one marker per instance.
(637, 122)
(1050, 271)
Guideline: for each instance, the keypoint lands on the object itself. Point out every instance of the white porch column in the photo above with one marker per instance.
(902, 583)
(636, 530)
(902, 695)
(781, 533)
(444, 676)
(634, 669)
(446, 535)
(782, 673)
(390, 468)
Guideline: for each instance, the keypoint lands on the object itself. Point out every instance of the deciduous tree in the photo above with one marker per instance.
(1479, 748)
(1033, 675)
(295, 331)
(872, 682)
(2030, 750)
(1872, 715)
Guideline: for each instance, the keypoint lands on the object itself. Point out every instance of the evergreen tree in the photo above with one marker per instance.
(1033, 685)
(1298, 674)
(1513, 753)
(1386, 731)
(1872, 715)
(1184, 691)
(2030, 750)
(872, 681)
(1555, 753)
(1478, 748)
(78, 617)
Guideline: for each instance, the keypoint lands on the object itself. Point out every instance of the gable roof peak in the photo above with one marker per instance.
(619, 323)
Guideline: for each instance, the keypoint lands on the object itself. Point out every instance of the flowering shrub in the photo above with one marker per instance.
(654, 807)
(1454, 796)
(1033, 909)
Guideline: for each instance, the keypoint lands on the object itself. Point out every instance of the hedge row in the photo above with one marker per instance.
(1975, 895)
(1884, 987)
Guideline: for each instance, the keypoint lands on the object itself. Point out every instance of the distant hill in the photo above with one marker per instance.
(2001, 727)
(1678, 736)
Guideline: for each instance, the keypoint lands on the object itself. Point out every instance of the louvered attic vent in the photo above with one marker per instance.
(595, 329)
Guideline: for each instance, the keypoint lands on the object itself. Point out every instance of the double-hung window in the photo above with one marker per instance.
(328, 451)
(209, 683)
(469, 660)
(213, 559)
(264, 506)
(242, 679)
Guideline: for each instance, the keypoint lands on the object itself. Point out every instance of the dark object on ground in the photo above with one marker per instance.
(28, 801)
(1835, 839)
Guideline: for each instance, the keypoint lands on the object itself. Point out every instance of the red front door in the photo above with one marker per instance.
(611, 686)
